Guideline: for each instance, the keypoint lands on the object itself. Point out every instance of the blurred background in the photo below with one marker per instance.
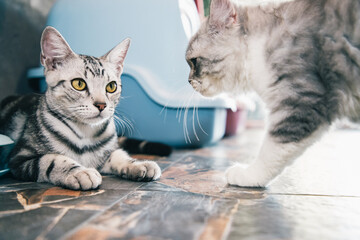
(21, 24)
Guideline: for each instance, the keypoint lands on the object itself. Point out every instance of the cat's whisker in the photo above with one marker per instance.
(185, 126)
(193, 118)
(198, 120)
(124, 97)
(184, 105)
(175, 95)
(186, 132)
(125, 127)
(129, 125)
(118, 123)
(126, 123)
(181, 107)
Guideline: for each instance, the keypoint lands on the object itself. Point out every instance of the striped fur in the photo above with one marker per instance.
(303, 59)
(135, 146)
(67, 136)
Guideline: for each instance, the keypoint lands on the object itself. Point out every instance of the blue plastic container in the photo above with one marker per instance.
(6, 145)
(156, 97)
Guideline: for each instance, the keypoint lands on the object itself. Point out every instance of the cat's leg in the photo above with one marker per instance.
(56, 169)
(121, 164)
(273, 157)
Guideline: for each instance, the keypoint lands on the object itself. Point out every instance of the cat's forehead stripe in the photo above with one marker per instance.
(93, 65)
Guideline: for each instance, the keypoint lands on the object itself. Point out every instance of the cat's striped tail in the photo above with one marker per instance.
(134, 146)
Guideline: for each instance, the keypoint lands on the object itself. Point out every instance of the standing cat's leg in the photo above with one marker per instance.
(121, 164)
(286, 140)
(56, 169)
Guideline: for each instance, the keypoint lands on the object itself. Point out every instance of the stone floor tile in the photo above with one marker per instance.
(315, 198)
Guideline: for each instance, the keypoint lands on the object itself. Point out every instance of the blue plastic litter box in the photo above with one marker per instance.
(6, 145)
(156, 97)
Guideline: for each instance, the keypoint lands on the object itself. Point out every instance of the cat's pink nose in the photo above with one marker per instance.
(100, 106)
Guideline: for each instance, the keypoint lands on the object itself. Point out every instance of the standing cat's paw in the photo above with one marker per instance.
(83, 179)
(142, 171)
(245, 177)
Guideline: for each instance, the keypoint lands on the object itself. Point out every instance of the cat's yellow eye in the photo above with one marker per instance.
(79, 84)
(111, 87)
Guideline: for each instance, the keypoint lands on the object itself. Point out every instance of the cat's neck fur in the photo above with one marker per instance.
(253, 26)
(256, 19)
(266, 17)
(261, 29)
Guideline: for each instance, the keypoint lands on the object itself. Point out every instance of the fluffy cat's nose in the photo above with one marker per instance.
(100, 106)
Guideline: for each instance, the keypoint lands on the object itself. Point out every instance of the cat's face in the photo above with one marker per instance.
(83, 88)
(213, 52)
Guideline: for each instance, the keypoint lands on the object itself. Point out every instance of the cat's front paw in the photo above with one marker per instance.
(142, 171)
(83, 179)
(245, 177)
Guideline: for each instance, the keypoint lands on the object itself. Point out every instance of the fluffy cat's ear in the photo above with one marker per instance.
(54, 49)
(117, 55)
(222, 14)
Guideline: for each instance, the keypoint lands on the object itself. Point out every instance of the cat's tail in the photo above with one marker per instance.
(134, 146)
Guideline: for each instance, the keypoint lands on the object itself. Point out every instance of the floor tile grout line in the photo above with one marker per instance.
(69, 233)
(312, 195)
(53, 223)
(157, 181)
(117, 201)
(284, 194)
(277, 194)
(64, 200)
(180, 158)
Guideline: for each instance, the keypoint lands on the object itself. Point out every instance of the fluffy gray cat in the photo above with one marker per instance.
(67, 136)
(302, 57)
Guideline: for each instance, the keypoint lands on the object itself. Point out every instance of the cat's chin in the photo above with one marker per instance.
(208, 93)
(94, 121)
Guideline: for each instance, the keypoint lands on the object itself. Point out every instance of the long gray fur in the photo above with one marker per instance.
(303, 59)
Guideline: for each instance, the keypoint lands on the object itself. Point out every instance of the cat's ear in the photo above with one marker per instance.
(117, 55)
(54, 49)
(222, 14)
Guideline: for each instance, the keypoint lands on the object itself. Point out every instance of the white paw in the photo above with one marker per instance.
(142, 171)
(83, 179)
(245, 177)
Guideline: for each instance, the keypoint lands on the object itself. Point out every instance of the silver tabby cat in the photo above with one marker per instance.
(302, 57)
(67, 136)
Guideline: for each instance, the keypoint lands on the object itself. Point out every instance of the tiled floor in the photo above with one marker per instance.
(317, 198)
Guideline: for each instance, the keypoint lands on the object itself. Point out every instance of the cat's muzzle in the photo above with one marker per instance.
(196, 84)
